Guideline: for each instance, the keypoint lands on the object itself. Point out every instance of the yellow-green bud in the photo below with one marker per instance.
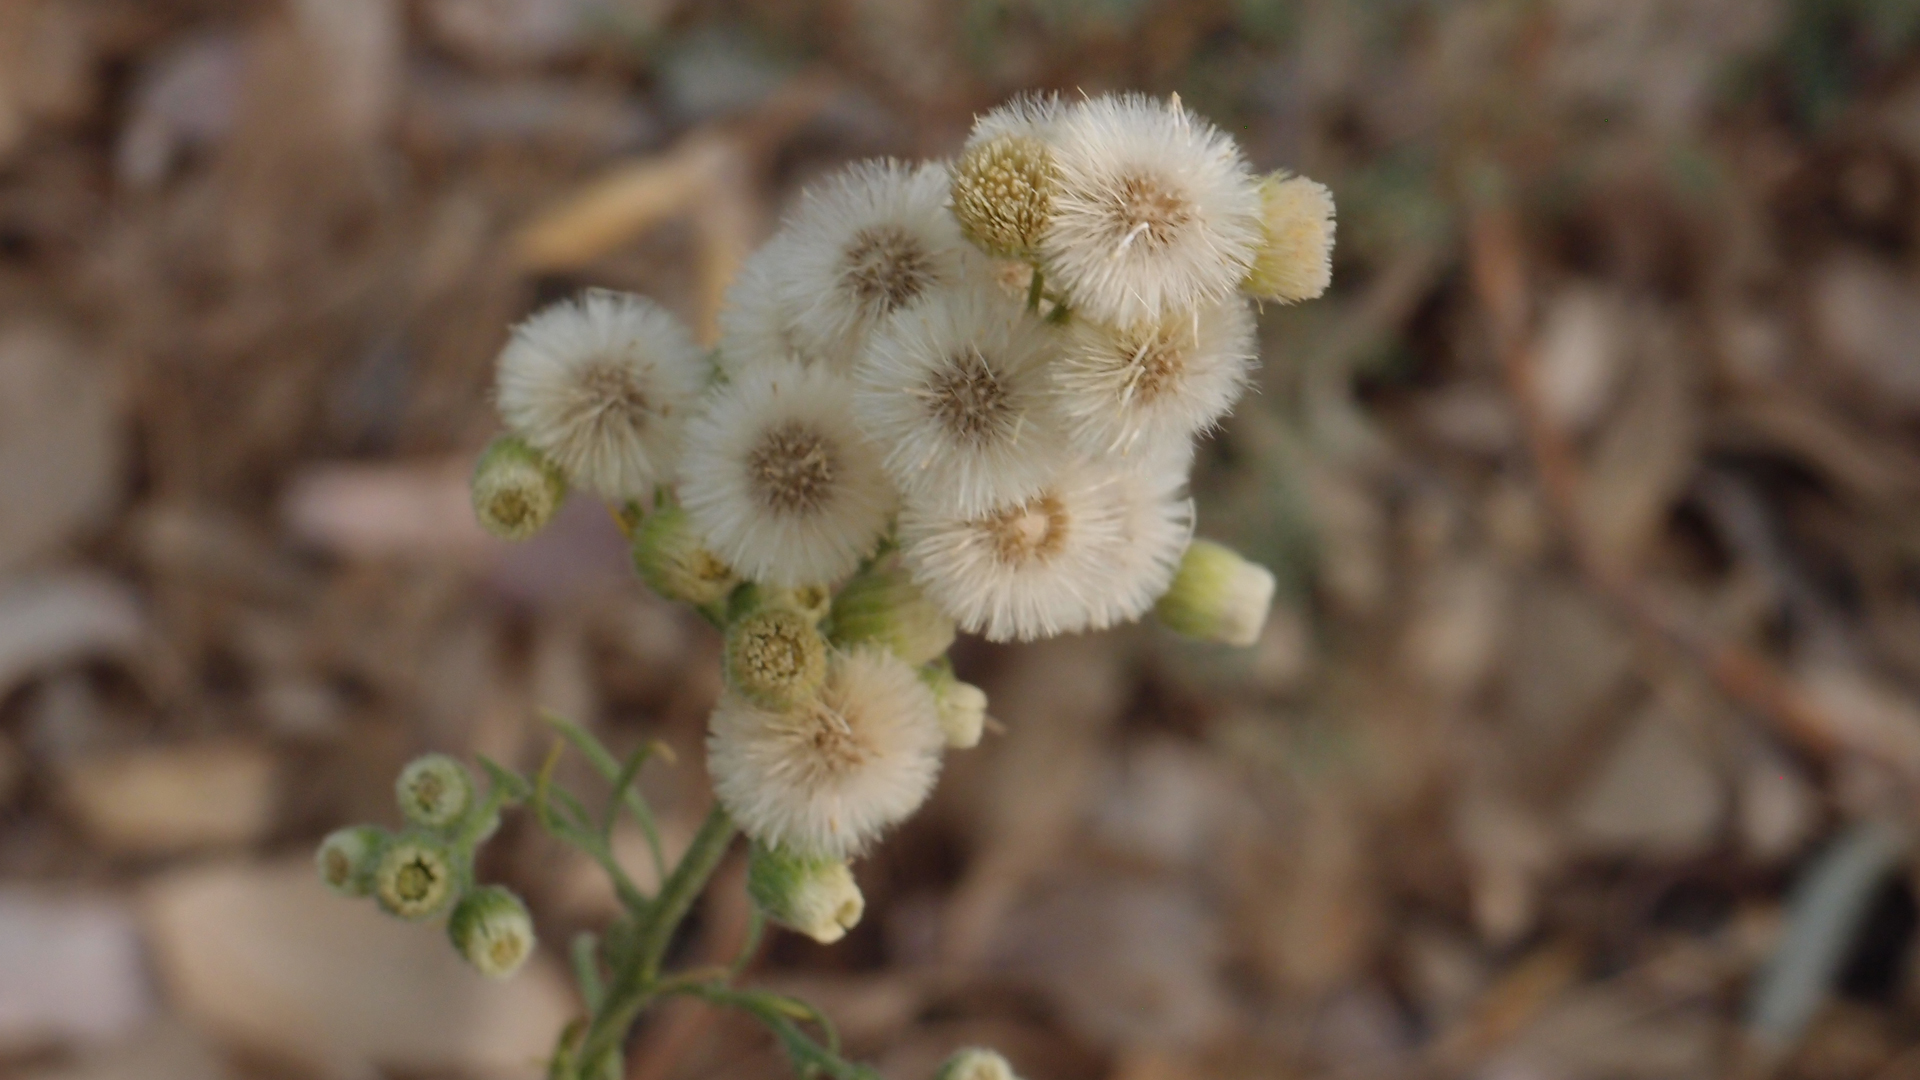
(776, 657)
(492, 929)
(961, 707)
(814, 896)
(415, 877)
(347, 858)
(516, 491)
(813, 601)
(1003, 194)
(1295, 259)
(670, 557)
(975, 1063)
(1217, 596)
(884, 607)
(434, 791)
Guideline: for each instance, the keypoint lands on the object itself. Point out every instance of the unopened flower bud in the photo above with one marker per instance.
(813, 601)
(515, 490)
(415, 877)
(883, 606)
(776, 658)
(1217, 596)
(491, 928)
(1003, 194)
(814, 896)
(961, 707)
(672, 560)
(434, 791)
(975, 1063)
(347, 858)
(1295, 259)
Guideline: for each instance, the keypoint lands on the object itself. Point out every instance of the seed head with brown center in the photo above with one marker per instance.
(792, 469)
(884, 268)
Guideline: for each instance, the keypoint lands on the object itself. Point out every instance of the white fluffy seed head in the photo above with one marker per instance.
(1156, 383)
(601, 386)
(1154, 210)
(827, 777)
(779, 481)
(872, 240)
(956, 394)
(1295, 258)
(1093, 548)
(760, 314)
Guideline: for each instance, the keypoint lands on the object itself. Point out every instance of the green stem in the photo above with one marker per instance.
(637, 985)
(1034, 287)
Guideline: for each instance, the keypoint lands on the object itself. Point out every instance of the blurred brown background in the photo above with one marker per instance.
(1583, 745)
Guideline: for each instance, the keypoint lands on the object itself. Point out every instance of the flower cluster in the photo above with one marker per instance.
(427, 869)
(945, 396)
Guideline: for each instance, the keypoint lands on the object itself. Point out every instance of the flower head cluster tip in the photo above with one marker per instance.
(946, 397)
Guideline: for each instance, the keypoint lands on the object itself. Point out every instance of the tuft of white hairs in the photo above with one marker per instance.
(779, 481)
(828, 776)
(956, 393)
(601, 386)
(1154, 210)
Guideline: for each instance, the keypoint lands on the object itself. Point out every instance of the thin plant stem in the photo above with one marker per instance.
(1035, 285)
(634, 987)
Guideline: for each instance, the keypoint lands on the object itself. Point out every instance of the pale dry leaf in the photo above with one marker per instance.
(264, 956)
(1867, 317)
(186, 98)
(1508, 849)
(71, 968)
(1654, 794)
(1645, 453)
(163, 1050)
(1322, 916)
(61, 441)
(625, 201)
(1130, 962)
(54, 619)
(404, 510)
(359, 47)
(1582, 354)
(1454, 638)
(167, 800)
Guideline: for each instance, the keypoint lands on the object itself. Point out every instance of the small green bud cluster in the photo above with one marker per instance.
(426, 869)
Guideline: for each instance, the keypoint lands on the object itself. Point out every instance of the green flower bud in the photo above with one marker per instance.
(883, 606)
(1217, 596)
(963, 714)
(492, 929)
(672, 560)
(776, 657)
(347, 857)
(434, 791)
(414, 878)
(1295, 259)
(515, 490)
(814, 896)
(975, 1063)
(1003, 194)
